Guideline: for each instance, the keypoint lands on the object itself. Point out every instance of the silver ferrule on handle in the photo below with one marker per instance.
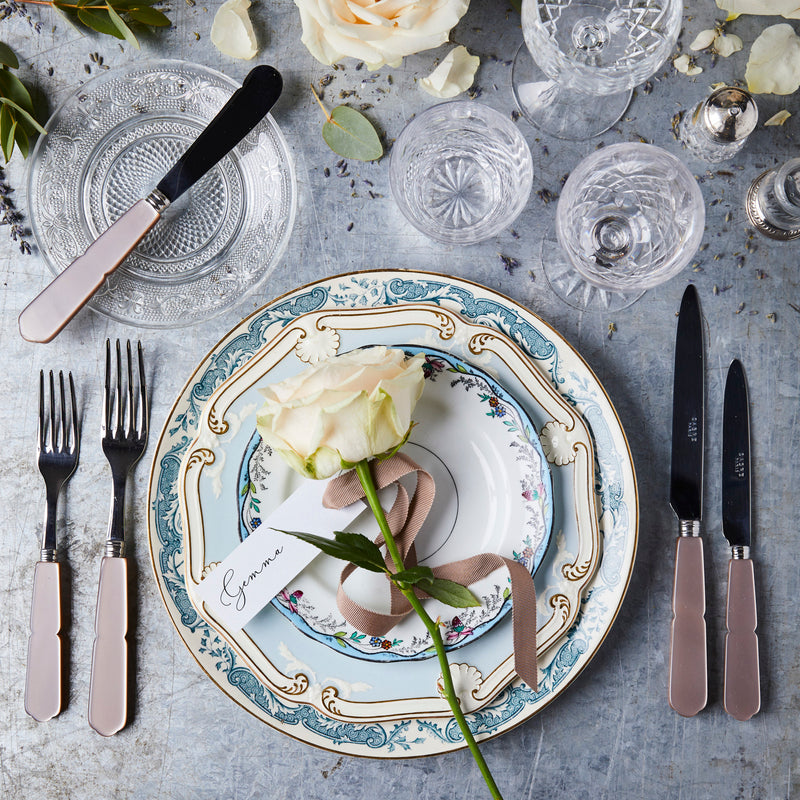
(689, 527)
(158, 201)
(739, 551)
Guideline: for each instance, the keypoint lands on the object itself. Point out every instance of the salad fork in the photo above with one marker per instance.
(57, 456)
(124, 438)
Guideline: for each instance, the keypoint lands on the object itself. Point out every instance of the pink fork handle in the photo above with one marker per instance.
(688, 680)
(43, 673)
(742, 677)
(108, 686)
(58, 302)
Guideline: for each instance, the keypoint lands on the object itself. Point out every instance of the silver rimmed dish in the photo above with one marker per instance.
(108, 145)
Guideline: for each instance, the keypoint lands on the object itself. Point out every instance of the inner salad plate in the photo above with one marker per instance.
(319, 694)
(111, 142)
(492, 495)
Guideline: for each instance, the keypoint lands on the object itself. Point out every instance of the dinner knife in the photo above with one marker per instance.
(58, 303)
(742, 693)
(688, 681)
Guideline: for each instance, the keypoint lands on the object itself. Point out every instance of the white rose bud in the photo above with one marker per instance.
(342, 410)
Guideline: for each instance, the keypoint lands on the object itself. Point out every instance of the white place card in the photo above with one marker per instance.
(239, 587)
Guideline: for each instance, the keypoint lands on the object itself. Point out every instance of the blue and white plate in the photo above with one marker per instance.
(319, 694)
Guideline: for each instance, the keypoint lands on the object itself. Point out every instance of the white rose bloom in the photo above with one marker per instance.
(344, 409)
(377, 32)
(774, 63)
(454, 75)
(232, 31)
(786, 8)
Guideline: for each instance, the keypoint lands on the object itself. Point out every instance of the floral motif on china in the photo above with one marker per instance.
(317, 345)
(558, 443)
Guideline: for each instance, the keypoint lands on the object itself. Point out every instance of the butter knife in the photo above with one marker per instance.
(58, 303)
(688, 680)
(742, 692)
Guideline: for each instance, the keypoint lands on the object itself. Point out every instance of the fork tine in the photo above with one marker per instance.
(51, 438)
(107, 391)
(62, 431)
(141, 419)
(40, 424)
(73, 429)
(130, 422)
(118, 409)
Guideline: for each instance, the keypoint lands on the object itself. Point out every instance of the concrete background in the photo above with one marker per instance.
(612, 734)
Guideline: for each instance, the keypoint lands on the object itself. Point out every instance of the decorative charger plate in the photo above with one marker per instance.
(110, 143)
(345, 704)
(476, 508)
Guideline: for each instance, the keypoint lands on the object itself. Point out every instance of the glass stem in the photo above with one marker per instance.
(371, 494)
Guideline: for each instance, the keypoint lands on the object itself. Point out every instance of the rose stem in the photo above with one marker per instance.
(370, 492)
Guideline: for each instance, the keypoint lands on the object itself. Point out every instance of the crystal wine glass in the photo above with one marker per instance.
(630, 217)
(573, 75)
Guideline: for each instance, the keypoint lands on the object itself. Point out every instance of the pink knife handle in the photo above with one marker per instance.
(43, 674)
(688, 680)
(742, 678)
(58, 302)
(108, 685)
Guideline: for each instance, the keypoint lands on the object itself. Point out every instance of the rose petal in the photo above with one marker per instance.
(727, 44)
(779, 118)
(454, 75)
(684, 64)
(785, 8)
(704, 39)
(232, 31)
(774, 63)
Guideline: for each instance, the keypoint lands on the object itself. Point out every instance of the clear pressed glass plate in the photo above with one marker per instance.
(111, 142)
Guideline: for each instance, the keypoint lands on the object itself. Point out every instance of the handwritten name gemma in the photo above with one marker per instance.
(233, 589)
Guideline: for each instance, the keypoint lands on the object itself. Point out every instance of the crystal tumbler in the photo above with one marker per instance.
(460, 172)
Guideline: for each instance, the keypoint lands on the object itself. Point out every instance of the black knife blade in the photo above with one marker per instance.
(686, 483)
(736, 459)
(243, 111)
(687, 690)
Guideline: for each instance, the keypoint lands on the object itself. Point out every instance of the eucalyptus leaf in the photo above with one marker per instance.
(12, 88)
(127, 5)
(25, 115)
(351, 135)
(23, 143)
(450, 593)
(347, 547)
(149, 16)
(8, 57)
(8, 139)
(98, 21)
(126, 32)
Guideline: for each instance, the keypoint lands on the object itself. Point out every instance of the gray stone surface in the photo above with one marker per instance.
(611, 734)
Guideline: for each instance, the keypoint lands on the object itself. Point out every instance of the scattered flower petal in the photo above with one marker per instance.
(704, 39)
(779, 118)
(454, 75)
(686, 65)
(232, 31)
(726, 44)
(774, 63)
(785, 8)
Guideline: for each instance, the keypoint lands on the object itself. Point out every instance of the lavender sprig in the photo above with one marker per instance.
(11, 216)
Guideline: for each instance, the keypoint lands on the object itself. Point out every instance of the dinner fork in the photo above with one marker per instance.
(124, 438)
(57, 456)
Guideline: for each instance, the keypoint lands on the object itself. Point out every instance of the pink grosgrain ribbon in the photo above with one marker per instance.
(405, 518)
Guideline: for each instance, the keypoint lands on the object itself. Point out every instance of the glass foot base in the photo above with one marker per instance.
(567, 283)
(563, 113)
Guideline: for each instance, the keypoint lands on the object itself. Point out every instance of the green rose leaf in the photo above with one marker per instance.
(352, 547)
(414, 576)
(351, 135)
(7, 57)
(450, 593)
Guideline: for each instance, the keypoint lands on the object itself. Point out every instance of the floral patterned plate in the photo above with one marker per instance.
(492, 494)
(349, 705)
